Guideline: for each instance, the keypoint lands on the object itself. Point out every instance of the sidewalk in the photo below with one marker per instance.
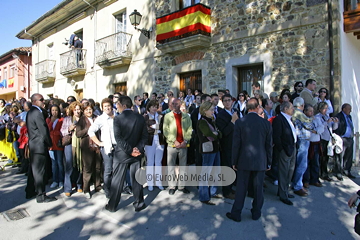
(324, 214)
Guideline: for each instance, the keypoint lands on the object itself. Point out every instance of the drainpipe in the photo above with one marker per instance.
(331, 53)
(95, 33)
(34, 39)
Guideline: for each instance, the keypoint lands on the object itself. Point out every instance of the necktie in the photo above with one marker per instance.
(351, 124)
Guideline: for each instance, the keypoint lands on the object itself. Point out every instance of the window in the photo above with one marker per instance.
(120, 26)
(121, 87)
(249, 75)
(187, 3)
(192, 80)
(5, 73)
(0, 74)
(12, 71)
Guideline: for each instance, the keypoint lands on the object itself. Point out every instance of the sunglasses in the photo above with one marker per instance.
(41, 99)
(300, 86)
(323, 91)
(241, 95)
(116, 96)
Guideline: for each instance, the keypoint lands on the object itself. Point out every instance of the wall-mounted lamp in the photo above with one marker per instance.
(135, 19)
(72, 82)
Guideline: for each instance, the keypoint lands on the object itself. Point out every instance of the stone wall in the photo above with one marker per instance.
(295, 33)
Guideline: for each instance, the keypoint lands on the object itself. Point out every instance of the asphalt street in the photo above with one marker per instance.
(323, 214)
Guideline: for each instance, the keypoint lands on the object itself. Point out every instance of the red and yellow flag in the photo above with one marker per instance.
(11, 82)
(187, 20)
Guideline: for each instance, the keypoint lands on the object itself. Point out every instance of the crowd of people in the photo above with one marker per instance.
(288, 136)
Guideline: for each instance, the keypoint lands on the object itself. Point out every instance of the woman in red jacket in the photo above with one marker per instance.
(54, 123)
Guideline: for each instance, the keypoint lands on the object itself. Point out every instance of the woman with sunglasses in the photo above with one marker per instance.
(324, 97)
(240, 104)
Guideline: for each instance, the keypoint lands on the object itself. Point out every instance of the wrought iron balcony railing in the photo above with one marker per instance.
(114, 49)
(45, 71)
(73, 62)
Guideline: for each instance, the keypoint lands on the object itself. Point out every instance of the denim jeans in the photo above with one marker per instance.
(208, 161)
(312, 172)
(71, 173)
(301, 163)
(16, 147)
(57, 165)
(108, 169)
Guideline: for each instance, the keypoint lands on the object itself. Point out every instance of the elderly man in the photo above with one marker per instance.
(303, 126)
(274, 97)
(177, 130)
(284, 138)
(39, 143)
(343, 163)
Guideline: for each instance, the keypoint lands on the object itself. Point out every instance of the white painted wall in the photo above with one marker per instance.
(350, 71)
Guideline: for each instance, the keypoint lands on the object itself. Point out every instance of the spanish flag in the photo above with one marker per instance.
(187, 20)
(11, 82)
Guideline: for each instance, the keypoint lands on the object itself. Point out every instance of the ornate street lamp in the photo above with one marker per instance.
(135, 19)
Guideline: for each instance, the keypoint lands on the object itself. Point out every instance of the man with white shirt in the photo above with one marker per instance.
(284, 139)
(105, 123)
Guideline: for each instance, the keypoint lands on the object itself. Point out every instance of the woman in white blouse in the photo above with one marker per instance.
(324, 97)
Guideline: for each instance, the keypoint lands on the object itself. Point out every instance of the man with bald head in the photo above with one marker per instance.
(39, 143)
(251, 157)
(177, 130)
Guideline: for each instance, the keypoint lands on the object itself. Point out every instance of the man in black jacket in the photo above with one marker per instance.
(284, 137)
(252, 155)
(131, 135)
(343, 162)
(225, 121)
(39, 143)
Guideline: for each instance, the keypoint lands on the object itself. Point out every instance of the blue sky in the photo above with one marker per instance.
(17, 15)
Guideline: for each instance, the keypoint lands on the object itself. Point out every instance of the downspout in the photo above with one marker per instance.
(95, 33)
(34, 39)
(331, 54)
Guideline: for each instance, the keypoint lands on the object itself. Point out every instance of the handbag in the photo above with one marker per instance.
(66, 140)
(10, 137)
(207, 146)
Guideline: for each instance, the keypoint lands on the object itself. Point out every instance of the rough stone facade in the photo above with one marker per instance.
(294, 33)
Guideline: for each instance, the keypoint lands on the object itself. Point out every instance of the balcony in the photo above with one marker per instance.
(45, 71)
(352, 17)
(73, 62)
(183, 30)
(114, 51)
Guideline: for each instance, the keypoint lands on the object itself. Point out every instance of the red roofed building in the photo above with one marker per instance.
(15, 73)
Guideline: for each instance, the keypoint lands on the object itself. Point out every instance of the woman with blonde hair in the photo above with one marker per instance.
(209, 146)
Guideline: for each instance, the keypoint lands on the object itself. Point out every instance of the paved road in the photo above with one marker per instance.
(322, 215)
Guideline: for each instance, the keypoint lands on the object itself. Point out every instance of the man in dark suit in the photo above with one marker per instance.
(225, 122)
(343, 161)
(164, 105)
(251, 155)
(215, 102)
(137, 105)
(131, 135)
(39, 143)
(284, 137)
(145, 100)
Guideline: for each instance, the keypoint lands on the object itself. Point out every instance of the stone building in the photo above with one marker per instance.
(275, 43)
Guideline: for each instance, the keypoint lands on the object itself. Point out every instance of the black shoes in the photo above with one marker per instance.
(349, 175)
(140, 208)
(127, 190)
(184, 190)
(30, 195)
(229, 216)
(208, 203)
(327, 178)
(45, 199)
(172, 191)
(291, 196)
(108, 208)
(287, 201)
(339, 177)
